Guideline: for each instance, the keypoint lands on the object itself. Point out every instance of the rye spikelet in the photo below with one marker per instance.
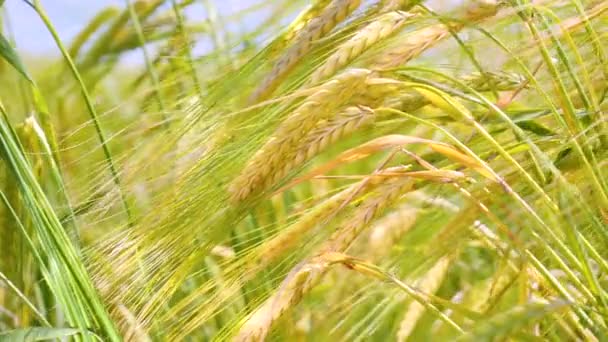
(333, 14)
(374, 32)
(268, 163)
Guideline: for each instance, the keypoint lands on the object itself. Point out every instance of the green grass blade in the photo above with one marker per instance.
(90, 107)
(10, 55)
(66, 275)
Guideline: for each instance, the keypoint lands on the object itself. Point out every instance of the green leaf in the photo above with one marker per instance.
(10, 55)
(58, 258)
(36, 334)
(535, 128)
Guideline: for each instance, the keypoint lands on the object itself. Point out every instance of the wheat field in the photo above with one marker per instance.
(340, 170)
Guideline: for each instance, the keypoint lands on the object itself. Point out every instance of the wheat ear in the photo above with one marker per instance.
(291, 236)
(303, 20)
(305, 276)
(296, 284)
(411, 46)
(330, 130)
(418, 41)
(351, 119)
(379, 29)
(386, 195)
(389, 229)
(319, 26)
(268, 163)
(429, 283)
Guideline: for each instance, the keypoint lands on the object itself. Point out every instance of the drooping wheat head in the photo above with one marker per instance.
(267, 164)
(319, 26)
(376, 31)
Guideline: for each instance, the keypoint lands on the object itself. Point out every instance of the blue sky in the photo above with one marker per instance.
(69, 16)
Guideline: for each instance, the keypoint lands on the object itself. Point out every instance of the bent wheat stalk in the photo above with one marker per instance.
(274, 248)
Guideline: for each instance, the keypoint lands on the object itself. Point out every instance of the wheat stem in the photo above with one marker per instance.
(90, 107)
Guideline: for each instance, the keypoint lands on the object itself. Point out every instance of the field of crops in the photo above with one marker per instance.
(319, 170)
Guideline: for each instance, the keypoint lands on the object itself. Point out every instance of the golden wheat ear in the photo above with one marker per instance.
(319, 26)
(269, 163)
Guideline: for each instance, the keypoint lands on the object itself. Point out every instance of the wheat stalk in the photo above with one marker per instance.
(274, 248)
(353, 118)
(319, 26)
(310, 129)
(302, 21)
(369, 35)
(328, 132)
(268, 163)
(387, 191)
